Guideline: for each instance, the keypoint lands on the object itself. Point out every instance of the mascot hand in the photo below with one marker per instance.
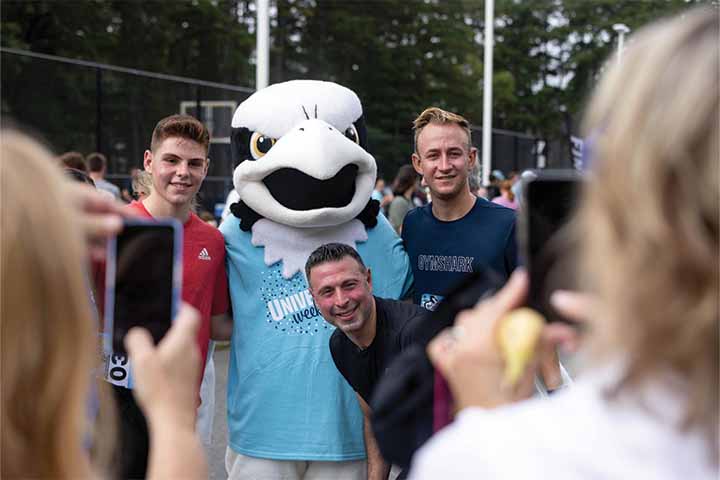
(369, 214)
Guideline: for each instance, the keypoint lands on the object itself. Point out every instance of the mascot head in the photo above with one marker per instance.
(300, 150)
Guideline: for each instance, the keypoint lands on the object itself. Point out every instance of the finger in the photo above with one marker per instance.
(489, 310)
(87, 198)
(526, 384)
(97, 251)
(183, 331)
(91, 199)
(561, 335)
(101, 226)
(139, 344)
(438, 350)
(512, 295)
(549, 368)
(466, 318)
(573, 305)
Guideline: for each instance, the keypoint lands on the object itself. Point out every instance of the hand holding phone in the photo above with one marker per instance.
(99, 217)
(143, 279)
(166, 379)
(547, 245)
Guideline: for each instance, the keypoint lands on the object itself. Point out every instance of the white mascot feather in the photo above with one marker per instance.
(304, 179)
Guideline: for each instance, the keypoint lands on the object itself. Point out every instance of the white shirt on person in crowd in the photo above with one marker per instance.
(577, 433)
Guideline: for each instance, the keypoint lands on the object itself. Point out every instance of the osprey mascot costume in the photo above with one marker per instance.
(304, 179)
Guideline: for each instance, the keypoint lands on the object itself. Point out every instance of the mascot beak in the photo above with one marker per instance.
(333, 173)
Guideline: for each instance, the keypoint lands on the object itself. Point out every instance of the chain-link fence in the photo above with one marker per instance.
(515, 151)
(86, 107)
(511, 151)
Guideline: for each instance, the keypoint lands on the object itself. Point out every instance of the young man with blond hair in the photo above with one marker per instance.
(457, 233)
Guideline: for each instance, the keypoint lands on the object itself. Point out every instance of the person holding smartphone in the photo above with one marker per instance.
(177, 162)
(49, 349)
(647, 404)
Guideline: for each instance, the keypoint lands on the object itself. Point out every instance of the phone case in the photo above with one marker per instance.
(545, 245)
(117, 369)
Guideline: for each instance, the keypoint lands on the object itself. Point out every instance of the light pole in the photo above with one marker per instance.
(487, 91)
(621, 29)
(262, 69)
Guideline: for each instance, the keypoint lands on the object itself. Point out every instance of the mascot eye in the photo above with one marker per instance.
(352, 134)
(260, 144)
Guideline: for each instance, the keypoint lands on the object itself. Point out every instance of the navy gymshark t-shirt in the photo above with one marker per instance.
(443, 253)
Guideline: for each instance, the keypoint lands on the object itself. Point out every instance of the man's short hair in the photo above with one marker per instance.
(74, 160)
(332, 252)
(96, 162)
(439, 116)
(183, 126)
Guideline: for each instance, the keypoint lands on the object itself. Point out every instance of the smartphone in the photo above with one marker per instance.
(546, 244)
(143, 279)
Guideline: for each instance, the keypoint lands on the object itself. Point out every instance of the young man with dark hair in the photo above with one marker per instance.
(457, 233)
(97, 165)
(370, 331)
(177, 160)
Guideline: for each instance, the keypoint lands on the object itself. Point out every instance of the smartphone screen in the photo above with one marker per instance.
(547, 245)
(143, 279)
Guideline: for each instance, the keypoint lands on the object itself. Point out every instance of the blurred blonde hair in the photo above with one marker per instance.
(650, 215)
(48, 334)
(142, 184)
(506, 186)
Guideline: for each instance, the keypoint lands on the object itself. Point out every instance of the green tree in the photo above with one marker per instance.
(400, 56)
(202, 39)
(554, 51)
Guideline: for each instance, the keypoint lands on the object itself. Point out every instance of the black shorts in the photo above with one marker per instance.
(133, 440)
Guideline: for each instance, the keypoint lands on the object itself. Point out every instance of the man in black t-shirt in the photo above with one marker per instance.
(363, 367)
(370, 332)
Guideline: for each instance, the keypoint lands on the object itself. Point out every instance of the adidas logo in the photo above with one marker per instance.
(204, 255)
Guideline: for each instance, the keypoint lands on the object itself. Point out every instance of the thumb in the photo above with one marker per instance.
(139, 344)
(438, 351)
(184, 329)
(513, 294)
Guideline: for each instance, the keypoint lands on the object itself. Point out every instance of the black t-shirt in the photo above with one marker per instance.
(398, 323)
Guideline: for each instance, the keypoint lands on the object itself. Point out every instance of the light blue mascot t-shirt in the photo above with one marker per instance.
(285, 398)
